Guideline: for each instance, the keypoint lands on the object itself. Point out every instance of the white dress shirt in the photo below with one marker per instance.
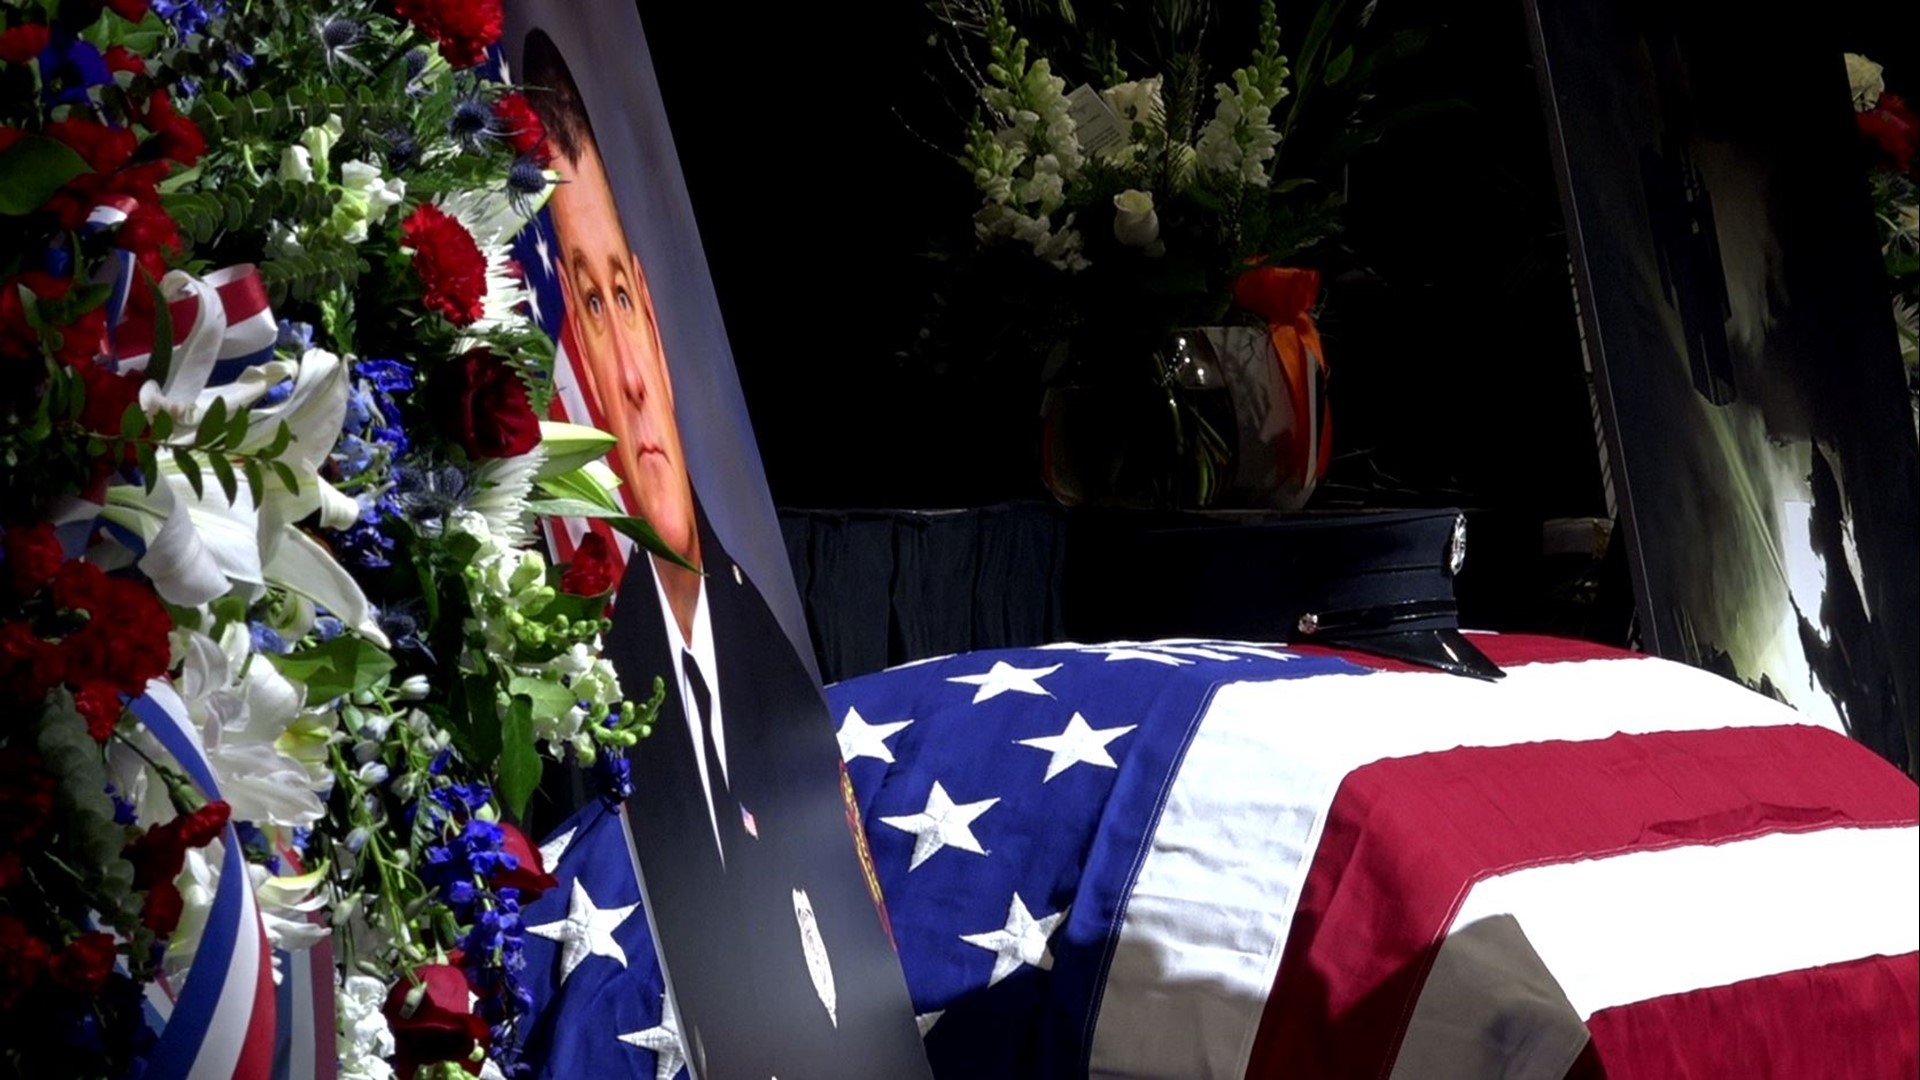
(702, 649)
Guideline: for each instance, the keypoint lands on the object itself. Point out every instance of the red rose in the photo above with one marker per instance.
(29, 664)
(22, 957)
(453, 273)
(101, 146)
(130, 10)
(34, 555)
(121, 58)
(99, 704)
(530, 876)
(521, 126)
(1892, 124)
(431, 1020)
(174, 136)
(83, 966)
(462, 28)
(23, 43)
(591, 573)
(480, 402)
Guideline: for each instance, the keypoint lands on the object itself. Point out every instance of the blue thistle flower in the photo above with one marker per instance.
(472, 124)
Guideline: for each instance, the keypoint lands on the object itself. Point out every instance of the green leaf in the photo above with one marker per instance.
(213, 426)
(256, 478)
(282, 438)
(223, 472)
(149, 464)
(191, 468)
(163, 425)
(632, 527)
(160, 361)
(345, 665)
(287, 476)
(237, 425)
(580, 487)
(133, 421)
(1339, 66)
(35, 167)
(519, 758)
(550, 700)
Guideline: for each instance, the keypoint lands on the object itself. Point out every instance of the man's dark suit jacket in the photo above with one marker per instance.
(728, 935)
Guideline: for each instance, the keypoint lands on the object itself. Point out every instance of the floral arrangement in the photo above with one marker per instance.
(279, 657)
(1115, 212)
(1890, 127)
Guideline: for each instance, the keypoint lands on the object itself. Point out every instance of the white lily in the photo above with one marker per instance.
(245, 710)
(570, 446)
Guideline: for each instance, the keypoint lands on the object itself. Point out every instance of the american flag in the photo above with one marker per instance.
(1214, 859)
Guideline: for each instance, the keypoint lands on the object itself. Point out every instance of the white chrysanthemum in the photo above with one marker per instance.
(494, 218)
(1867, 81)
(364, 1041)
(500, 490)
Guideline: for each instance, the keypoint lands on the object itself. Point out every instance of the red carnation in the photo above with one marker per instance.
(149, 233)
(102, 147)
(591, 573)
(480, 402)
(453, 273)
(521, 126)
(1892, 124)
(108, 395)
(462, 28)
(99, 704)
(26, 796)
(432, 1021)
(121, 58)
(34, 555)
(530, 876)
(158, 855)
(79, 340)
(174, 136)
(23, 43)
(130, 10)
(160, 912)
(29, 665)
(83, 966)
(82, 586)
(22, 958)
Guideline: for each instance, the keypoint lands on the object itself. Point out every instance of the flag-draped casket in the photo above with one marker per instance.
(1211, 859)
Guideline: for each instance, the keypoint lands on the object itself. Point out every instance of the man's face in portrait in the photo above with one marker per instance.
(611, 315)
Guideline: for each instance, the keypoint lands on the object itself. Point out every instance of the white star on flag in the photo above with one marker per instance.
(860, 739)
(1080, 742)
(586, 931)
(941, 824)
(555, 849)
(925, 1021)
(1022, 941)
(1004, 678)
(669, 1059)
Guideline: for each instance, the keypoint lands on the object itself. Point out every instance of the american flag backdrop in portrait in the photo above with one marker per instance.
(1209, 859)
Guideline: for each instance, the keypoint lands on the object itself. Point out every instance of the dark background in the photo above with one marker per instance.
(1457, 371)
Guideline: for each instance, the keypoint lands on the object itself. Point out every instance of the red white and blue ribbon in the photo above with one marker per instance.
(223, 1022)
(251, 329)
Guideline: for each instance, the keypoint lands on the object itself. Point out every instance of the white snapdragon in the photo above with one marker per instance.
(1240, 139)
(364, 1041)
(365, 198)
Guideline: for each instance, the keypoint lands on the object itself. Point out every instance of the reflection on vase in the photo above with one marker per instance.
(1222, 425)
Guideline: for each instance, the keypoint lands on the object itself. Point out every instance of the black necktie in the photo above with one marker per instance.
(725, 814)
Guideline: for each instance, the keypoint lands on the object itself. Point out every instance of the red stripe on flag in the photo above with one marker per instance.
(1406, 838)
(1506, 650)
(1765, 1027)
(256, 1053)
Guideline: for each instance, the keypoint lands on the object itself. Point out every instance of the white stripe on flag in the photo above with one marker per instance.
(1207, 920)
(303, 1045)
(1650, 923)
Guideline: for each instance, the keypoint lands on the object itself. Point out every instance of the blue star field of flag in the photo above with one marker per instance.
(1008, 797)
(533, 249)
